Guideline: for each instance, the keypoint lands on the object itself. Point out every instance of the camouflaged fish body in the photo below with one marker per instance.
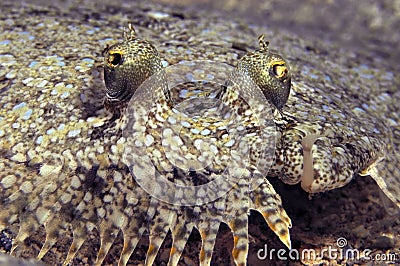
(92, 187)
(75, 176)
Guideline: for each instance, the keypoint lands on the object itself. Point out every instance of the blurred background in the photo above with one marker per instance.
(369, 26)
(366, 25)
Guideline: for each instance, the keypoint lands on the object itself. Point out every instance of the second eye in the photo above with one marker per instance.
(280, 70)
(114, 59)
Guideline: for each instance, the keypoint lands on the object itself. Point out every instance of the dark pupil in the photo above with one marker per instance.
(116, 59)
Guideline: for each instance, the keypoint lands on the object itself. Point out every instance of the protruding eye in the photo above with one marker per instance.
(280, 70)
(114, 59)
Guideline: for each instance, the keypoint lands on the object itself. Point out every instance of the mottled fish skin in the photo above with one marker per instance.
(102, 192)
(61, 149)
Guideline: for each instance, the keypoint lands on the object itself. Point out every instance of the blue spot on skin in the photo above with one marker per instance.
(5, 42)
(210, 76)
(106, 40)
(187, 63)
(64, 95)
(18, 106)
(304, 72)
(377, 131)
(365, 106)
(74, 133)
(33, 63)
(358, 109)
(367, 76)
(384, 96)
(201, 71)
(61, 127)
(183, 93)
(50, 131)
(27, 114)
(54, 92)
(39, 140)
(185, 124)
(388, 76)
(92, 31)
(164, 63)
(88, 61)
(69, 86)
(60, 61)
(83, 97)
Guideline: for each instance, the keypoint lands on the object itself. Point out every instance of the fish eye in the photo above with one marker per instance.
(280, 70)
(114, 59)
